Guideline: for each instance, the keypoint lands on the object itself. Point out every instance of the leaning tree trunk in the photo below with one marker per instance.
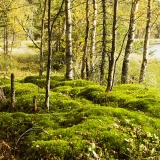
(146, 44)
(103, 43)
(93, 36)
(69, 56)
(41, 67)
(111, 57)
(128, 50)
(84, 57)
(49, 57)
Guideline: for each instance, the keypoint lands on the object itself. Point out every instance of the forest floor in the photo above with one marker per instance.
(84, 122)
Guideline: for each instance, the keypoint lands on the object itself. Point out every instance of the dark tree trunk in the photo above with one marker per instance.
(111, 57)
(12, 92)
(84, 61)
(103, 43)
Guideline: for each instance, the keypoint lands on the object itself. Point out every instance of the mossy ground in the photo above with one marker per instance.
(83, 123)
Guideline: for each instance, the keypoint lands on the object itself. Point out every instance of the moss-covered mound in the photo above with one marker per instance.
(85, 133)
(83, 123)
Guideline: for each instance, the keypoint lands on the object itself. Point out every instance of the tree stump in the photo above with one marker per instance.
(2, 96)
(34, 104)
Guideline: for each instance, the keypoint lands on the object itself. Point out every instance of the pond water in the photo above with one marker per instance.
(155, 48)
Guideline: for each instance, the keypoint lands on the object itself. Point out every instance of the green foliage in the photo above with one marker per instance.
(7, 63)
(138, 47)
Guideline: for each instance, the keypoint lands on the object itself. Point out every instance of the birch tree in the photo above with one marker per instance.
(8, 11)
(103, 42)
(111, 57)
(146, 43)
(84, 57)
(49, 57)
(128, 49)
(69, 57)
(50, 37)
(93, 35)
(41, 58)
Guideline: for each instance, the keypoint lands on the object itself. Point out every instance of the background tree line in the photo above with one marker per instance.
(89, 37)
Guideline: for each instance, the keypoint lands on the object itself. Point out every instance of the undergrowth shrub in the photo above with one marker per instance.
(7, 63)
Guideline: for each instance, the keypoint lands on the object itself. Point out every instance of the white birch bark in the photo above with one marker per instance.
(146, 44)
(69, 57)
(128, 50)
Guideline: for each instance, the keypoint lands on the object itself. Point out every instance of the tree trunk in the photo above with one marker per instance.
(69, 57)
(2, 96)
(84, 61)
(58, 39)
(103, 43)
(93, 36)
(49, 57)
(13, 40)
(6, 40)
(111, 57)
(12, 92)
(34, 104)
(146, 44)
(41, 67)
(128, 50)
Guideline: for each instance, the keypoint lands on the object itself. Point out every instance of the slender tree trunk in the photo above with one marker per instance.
(13, 39)
(103, 43)
(12, 92)
(6, 40)
(41, 68)
(146, 44)
(93, 36)
(69, 57)
(84, 61)
(87, 69)
(49, 57)
(111, 57)
(58, 37)
(128, 50)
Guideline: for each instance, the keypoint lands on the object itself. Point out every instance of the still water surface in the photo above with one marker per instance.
(155, 48)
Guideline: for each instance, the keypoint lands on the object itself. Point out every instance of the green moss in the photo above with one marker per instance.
(94, 93)
(83, 121)
(57, 81)
(62, 89)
